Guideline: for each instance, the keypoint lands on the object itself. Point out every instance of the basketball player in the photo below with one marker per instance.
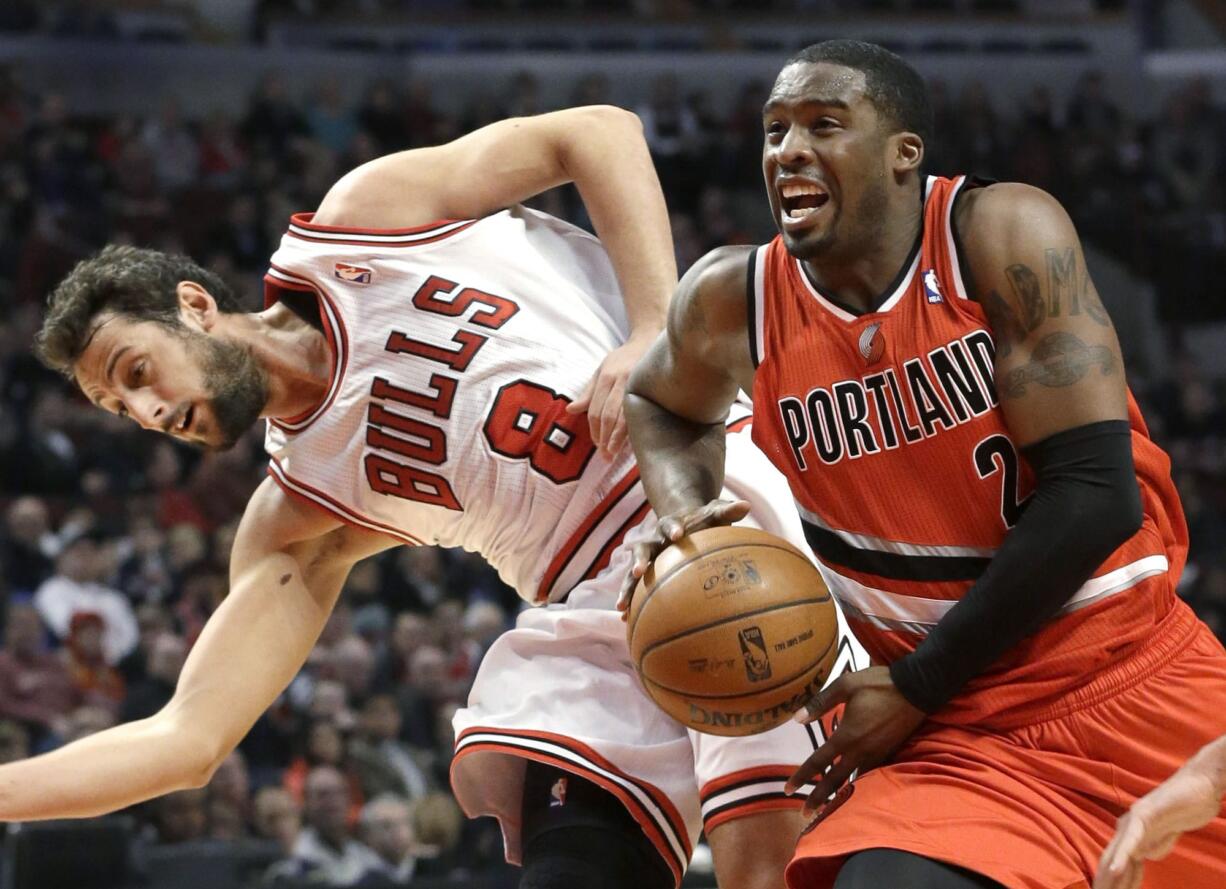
(1188, 800)
(422, 364)
(932, 369)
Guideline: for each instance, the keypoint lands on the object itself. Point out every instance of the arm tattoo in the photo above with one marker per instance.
(1060, 359)
(1006, 328)
(1070, 292)
(1061, 281)
(1026, 286)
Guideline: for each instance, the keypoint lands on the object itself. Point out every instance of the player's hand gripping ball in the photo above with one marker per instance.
(732, 630)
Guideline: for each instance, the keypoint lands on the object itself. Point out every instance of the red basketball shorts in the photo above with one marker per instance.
(1033, 807)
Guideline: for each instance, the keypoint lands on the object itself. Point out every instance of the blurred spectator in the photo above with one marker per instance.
(154, 691)
(229, 798)
(95, 679)
(75, 588)
(323, 744)
(35, 685)
(387, 828)
(181, 817)
(437, 824)
(14, 741)
(385, 764)
(27, 547)
(330, 118)
(276, 816)
(172, 145)
(325, 851)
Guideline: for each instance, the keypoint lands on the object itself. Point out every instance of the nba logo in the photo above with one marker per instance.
(753, 649)
(557, 793)
(931, 288)
(354, 274)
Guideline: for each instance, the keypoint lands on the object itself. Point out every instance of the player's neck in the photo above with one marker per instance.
(859, 273)
(294, 355)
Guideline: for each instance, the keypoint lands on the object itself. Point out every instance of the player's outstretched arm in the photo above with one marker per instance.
(288, 565)
(678, 399)
(601, 149)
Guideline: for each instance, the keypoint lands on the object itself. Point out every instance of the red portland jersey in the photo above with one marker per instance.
(888, 429)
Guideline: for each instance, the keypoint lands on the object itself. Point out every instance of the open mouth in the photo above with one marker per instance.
(185, 421)
(798, 200)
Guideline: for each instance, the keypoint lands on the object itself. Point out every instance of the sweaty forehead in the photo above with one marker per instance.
(810, 81)
(109, 334)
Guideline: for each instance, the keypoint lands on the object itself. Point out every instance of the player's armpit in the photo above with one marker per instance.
(288, 566)
(1058, 362)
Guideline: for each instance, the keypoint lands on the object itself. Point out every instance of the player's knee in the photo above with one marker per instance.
(576, 834)
(753, 851)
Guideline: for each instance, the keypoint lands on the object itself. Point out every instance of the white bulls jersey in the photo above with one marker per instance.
(457, 347)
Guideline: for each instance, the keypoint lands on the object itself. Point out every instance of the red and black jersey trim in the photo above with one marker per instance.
(334, 331)
(312, 496)
(835, 551)
(646, 803)
(302, 227)
(747, 792)
(627, 506)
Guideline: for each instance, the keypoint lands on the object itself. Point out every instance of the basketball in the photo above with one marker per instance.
(732, 630)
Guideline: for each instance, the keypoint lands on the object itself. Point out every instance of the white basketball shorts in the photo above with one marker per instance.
(560, 689)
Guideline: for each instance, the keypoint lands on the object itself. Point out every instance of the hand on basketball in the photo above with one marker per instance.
(875, 723)
(1187, 800)
(602, 397)
(672, 528)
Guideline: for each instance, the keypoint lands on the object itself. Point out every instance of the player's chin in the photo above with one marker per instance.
(807, 244)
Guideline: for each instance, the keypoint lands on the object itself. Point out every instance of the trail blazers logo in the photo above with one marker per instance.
(753, 649)
(872, 345)
(354, 274)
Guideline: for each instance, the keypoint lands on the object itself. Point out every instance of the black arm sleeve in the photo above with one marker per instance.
(1085, 504)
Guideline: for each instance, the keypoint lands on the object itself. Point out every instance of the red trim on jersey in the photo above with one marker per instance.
(637, 810)
(296, 424)
(409, 237)
(559, 562)
(602, 558)
(334, 507)
(756, 773)
(752, 807)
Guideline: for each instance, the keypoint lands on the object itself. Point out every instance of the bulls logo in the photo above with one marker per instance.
(753, 649)
(872, 344)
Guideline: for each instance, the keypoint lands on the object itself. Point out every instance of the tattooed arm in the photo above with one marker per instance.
(1058, 362)
(1060, 379)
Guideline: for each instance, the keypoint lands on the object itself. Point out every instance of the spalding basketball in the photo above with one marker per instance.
(732, 630)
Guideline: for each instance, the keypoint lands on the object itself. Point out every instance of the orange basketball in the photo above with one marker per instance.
(732, 630)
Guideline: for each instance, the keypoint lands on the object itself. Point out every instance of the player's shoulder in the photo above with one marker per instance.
(718, 281)
(996, 218)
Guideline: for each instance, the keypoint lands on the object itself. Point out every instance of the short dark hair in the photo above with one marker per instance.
(893, 86)
(131, 281)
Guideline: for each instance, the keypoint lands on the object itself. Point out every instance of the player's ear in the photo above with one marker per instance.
(197, 307)
(906, 152)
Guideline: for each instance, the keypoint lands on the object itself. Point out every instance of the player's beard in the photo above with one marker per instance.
(237, 387)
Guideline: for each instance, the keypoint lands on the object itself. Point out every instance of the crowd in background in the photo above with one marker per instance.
(114, 543)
